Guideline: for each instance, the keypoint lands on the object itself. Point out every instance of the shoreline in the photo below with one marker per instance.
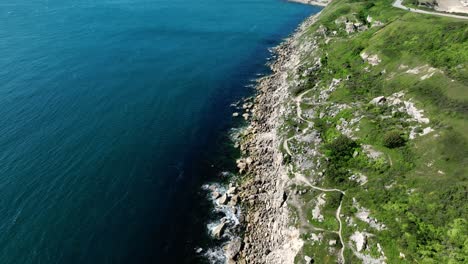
(256, 226)
(257, 221)
(269, 236)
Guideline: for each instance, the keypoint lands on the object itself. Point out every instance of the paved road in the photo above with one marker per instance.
(398, 4)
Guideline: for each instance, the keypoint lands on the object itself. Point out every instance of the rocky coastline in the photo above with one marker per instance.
(261, 230)
(329, 132)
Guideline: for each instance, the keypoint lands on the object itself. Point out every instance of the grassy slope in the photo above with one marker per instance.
(425, 210)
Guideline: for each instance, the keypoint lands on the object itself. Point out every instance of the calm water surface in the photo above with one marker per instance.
(112, 114)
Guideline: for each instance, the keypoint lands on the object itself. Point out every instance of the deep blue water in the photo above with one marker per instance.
(112, 115)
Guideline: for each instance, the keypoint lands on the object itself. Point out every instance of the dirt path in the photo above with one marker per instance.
(303, 179)
(338, 212)
(298, 106)
(399, 4)
(286, 146)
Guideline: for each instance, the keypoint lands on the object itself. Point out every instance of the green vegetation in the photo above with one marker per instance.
(417, 187)
(393, 139)
(339, 152)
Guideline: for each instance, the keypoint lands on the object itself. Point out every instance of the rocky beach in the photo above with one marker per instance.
(255, 204)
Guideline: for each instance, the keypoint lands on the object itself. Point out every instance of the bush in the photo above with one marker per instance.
(342, 148)
(393, 139)
(339, 152)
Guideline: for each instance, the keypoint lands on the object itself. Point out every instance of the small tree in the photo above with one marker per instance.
(393, 139)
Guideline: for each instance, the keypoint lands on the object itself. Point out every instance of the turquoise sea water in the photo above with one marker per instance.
(112, 115)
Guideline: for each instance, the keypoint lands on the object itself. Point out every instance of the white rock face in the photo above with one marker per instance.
(415, 112)
(360, 239)
(408, 107)
(316, 212)
(360, 178)
(427, 70)
(363, 214)
(373, 60)
(378, 100)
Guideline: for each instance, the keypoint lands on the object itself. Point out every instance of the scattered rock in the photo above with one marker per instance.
(373, 60)
(349, 27)
(316, 212)
(231, 190)
(218, 230)
(235, 114)
(241, 165)
(223, 199)
(215, 195)
(378, 100)
(234, 200)
(233, 248)
(308, 259)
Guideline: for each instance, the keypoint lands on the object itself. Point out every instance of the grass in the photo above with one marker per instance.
(419, 190)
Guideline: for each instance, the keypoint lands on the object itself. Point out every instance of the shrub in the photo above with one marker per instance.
(393, 139)
(339, 152)
(342, 148)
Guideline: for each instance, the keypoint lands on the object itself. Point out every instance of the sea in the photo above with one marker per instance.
(114, 113)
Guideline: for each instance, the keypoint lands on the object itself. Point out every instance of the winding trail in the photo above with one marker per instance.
(286, 146)
(303, 179)
(298, 101)
(399, 4)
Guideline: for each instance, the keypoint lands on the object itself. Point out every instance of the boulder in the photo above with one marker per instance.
(234, 200)
(215, 195)
(223, 199)
(349, 27)
(231, 190)
(241, 165)
(360, 239)
(233, 248)
(218, 230)
(378, 100)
